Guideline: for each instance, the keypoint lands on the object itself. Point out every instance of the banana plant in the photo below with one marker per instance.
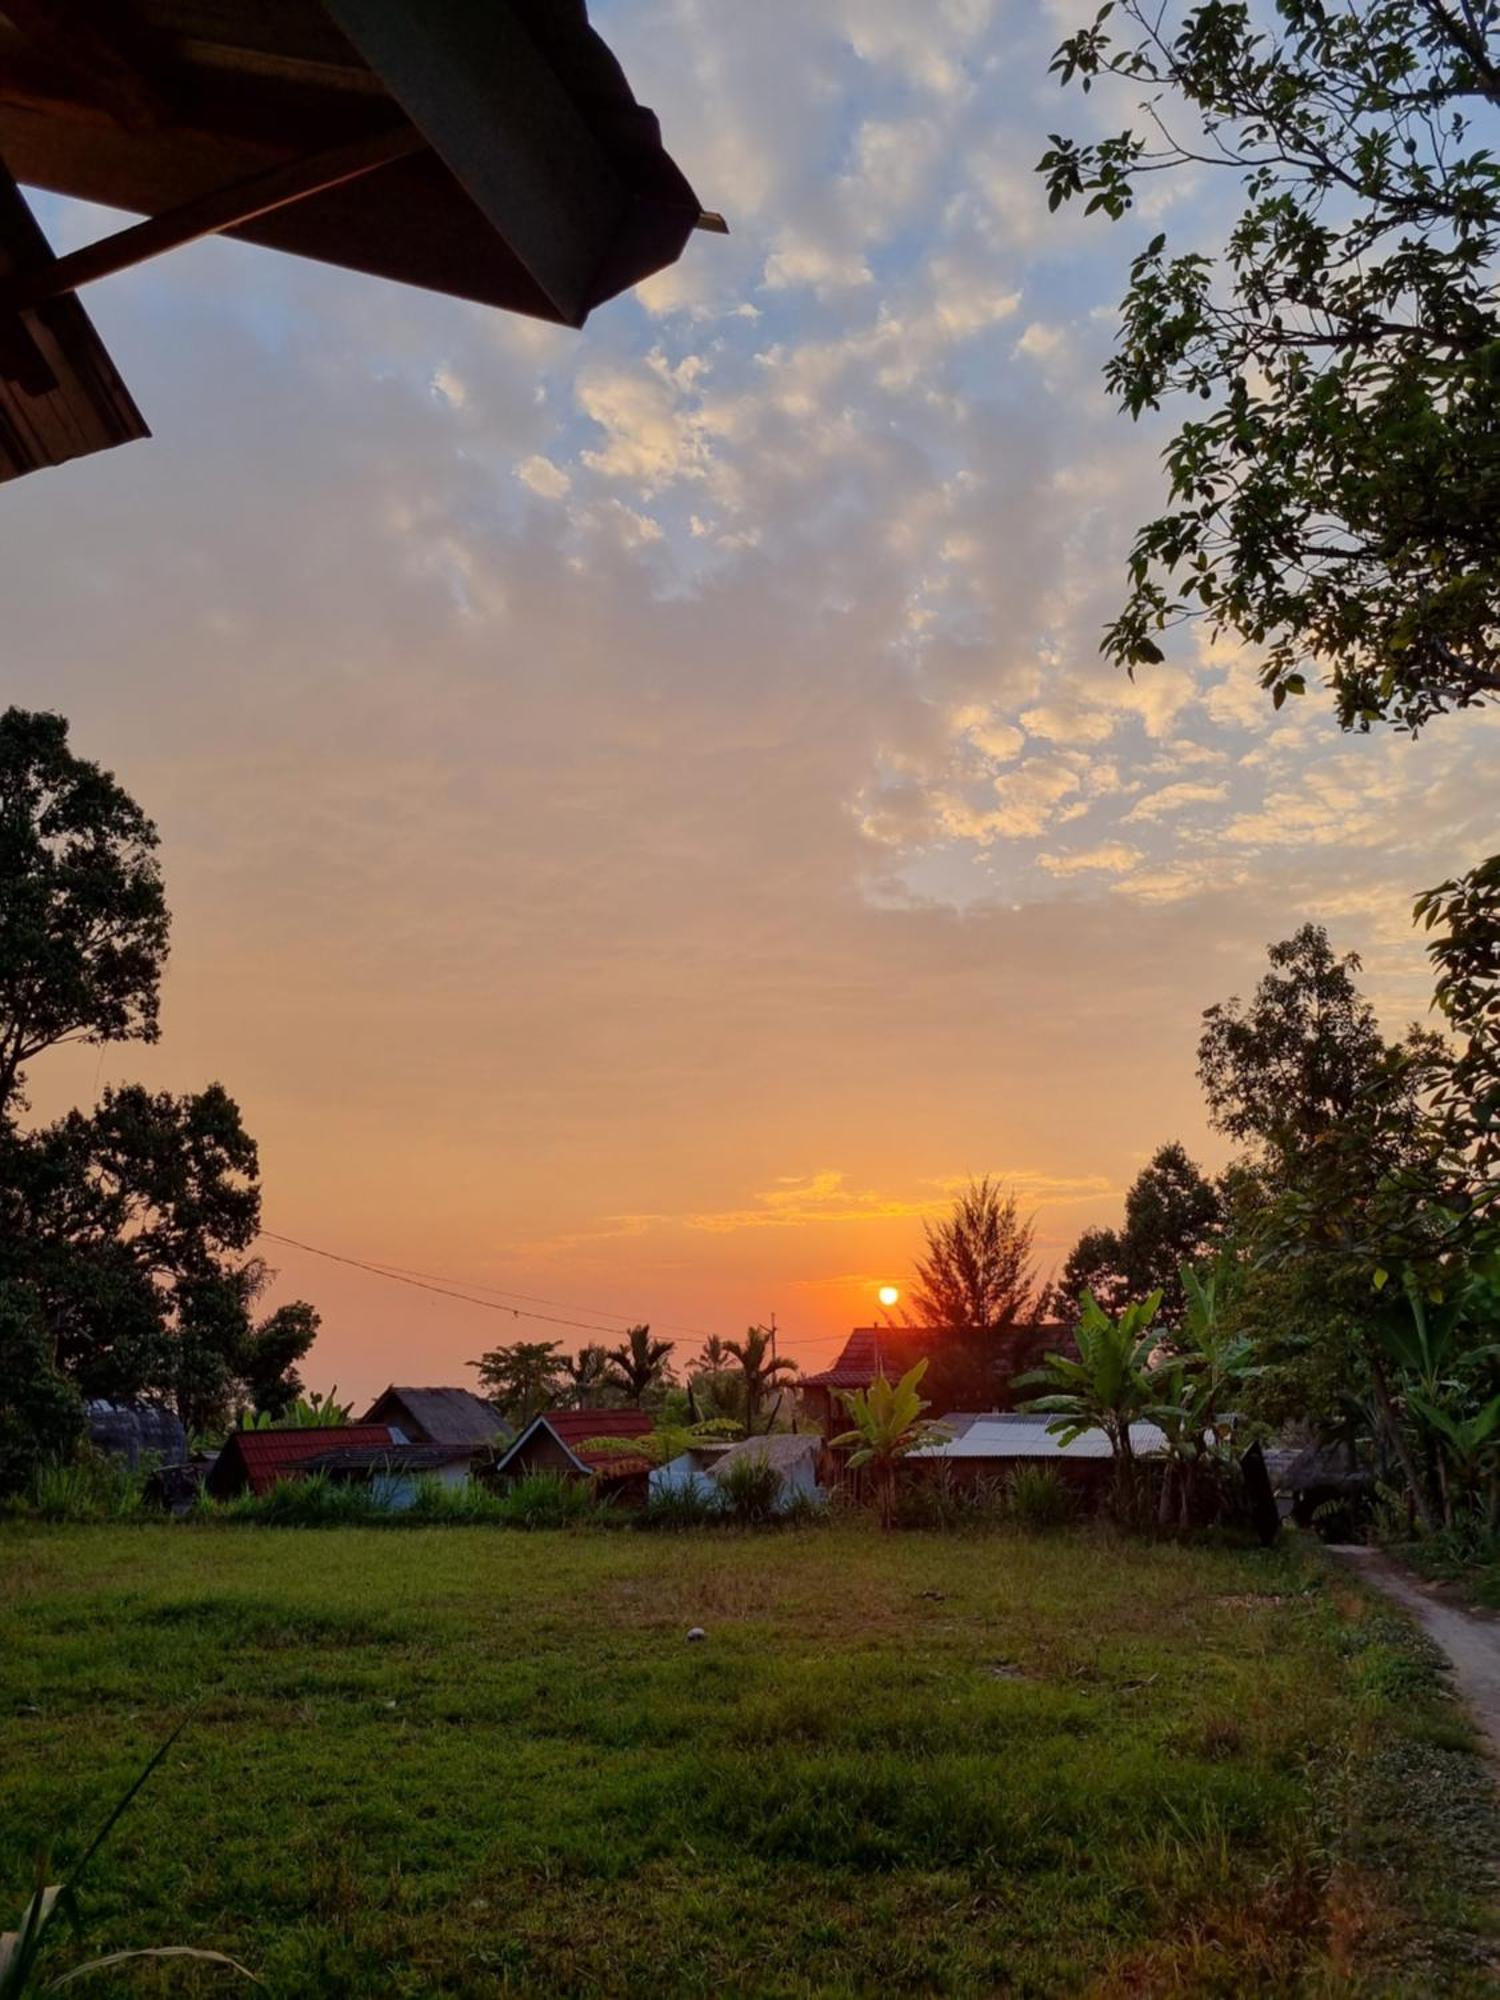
(21, 1950)
(1470, 1449)
(1111, 1385)
(888, 1426)
(1427, 1343)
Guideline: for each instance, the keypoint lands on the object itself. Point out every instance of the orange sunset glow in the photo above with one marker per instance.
(643, 811)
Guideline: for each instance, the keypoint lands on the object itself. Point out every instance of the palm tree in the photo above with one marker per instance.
(888, 1427)
(588, 1377)
(759, 1370)
(712, 1358)
(713, 1379)
(640, 1364)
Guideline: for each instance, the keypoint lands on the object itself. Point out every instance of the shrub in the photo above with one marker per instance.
(1037, 1497)
(315, 1501)
(678, 1507)
(800, 1509)
(751, 1487)
(41, 1414)
(546, 1500)
(439, 1503)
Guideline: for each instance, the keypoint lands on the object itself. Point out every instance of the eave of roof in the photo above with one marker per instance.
(543, 187)
(61, 396)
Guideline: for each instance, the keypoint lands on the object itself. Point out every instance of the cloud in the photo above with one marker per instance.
(797, 261)
(1070, 721)
(1174, 799)
(598, 769)
(658, 430)
(1029, 797)
(543, 477)
(1111, 857)
(804, 1201)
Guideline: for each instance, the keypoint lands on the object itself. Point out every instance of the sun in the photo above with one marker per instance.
(888, 1295)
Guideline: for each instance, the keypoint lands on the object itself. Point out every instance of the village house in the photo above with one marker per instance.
(701, 1469)
(560, 1441)
(253, 1461)
(968, 1367)
(440, 1417)
(990, 1444)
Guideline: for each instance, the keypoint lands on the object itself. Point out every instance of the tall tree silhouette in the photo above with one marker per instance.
(83, 917)
(760, 1371)
(640, 1365)
(588, 1377)
(978, 1271)
(523, 1379)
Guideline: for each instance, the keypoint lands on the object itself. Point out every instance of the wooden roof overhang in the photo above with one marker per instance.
(490, 149)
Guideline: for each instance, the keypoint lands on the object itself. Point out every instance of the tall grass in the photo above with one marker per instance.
(942, 1500)
(547, 1500)
(752, 1490)
(1037, 1496)
(91, 1486)
(681, 1508)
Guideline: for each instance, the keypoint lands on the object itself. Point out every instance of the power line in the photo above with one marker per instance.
(449, 1288)
(536, 1298)
(422, 1285)
(426, 1281)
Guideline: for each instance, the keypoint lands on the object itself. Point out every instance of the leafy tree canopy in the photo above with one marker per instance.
(1171, 1213)
(83, 917)
(523, 1379)
(589, 1381)
(1287, 1068)
(1334, 499)
(123, 1230)
(129, 1224)
(1463, 919)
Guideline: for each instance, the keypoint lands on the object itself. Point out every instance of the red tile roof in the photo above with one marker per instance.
(575, 1426)
(858, 1364)
(871, 1351)
(573, 1430)
(257, 1459)
(613, 1464)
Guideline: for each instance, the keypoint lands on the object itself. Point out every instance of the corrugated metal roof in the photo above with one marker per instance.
(1008, 1436)
(393, 1458)
(439, 1416)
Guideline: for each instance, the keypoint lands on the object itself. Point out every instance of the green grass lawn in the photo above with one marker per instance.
(460, 1762)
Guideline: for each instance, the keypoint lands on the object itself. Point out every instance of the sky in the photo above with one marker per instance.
(643, 811)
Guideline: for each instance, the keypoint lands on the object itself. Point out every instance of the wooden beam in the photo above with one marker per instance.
(500, 119)
(207, 215)
(113, 64)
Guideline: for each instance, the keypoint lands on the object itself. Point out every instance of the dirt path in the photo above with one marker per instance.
(1469, 1639)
